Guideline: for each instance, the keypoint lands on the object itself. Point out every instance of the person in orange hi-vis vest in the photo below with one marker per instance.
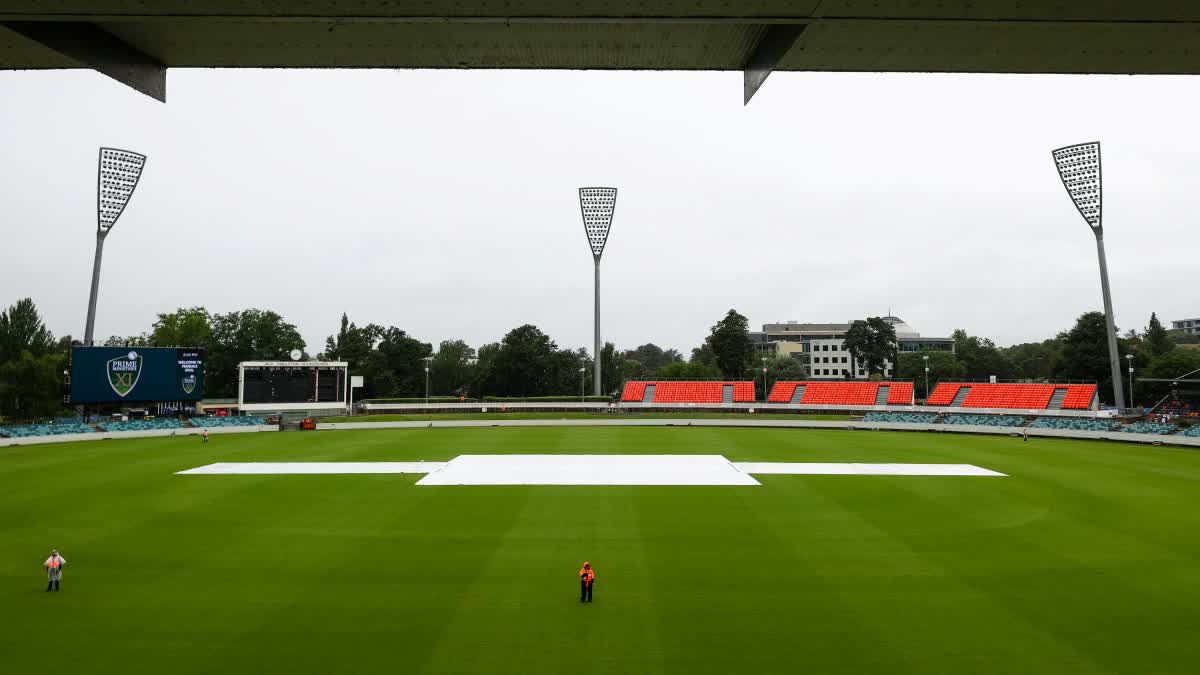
(54, 565)
(587, 579)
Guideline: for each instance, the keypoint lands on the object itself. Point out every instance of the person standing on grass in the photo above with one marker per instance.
(587, 579)
(204, 436)
(54, 565)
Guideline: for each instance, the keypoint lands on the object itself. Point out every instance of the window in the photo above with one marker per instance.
(843, 359)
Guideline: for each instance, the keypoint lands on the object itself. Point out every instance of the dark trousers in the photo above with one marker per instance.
(585, 591)
(52, 584)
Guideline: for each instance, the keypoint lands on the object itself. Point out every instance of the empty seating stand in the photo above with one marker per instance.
(688, 392)
(1013, 396)
(842, 393)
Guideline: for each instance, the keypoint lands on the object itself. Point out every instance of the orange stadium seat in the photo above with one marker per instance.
(841, 393)
(1027, 396)
(634, 391)
(689, 392)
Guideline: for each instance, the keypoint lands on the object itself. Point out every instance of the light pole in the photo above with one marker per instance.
(582, 375)
(1129, 360)
(925, 358)
(117, 175)
(1079, 169)
(428, 360)
(764, 369)
(597, 205)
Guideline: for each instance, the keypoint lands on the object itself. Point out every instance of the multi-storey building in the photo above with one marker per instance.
(821, 346)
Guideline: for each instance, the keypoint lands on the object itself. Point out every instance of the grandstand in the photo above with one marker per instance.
(1075, 424)
(150, 424)
(1149, 428)
(29, 430)
(1179, 408)
(219, 422)
(1015, 396)
(984, 420)
(901, 417)
(842, 393)
(688, 392)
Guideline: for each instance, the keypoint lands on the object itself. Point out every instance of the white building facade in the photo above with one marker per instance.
(821, 346)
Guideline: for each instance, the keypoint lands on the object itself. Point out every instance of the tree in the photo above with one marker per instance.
(981, 358)
(452, 370)
(942, 366)
(22, 330)
(1156, 337)
(651, 356)
(248, 335)
(871, 344)
(1171, 365)
(185, 327)
(402, 360)
(779, 369)
(730, 343)
(1032, 360)
(522, 364)
(704, 355)
(612, 366)
(31, 386)
(687, 371)
(483, 367)
(140, 340)
(1085, 353)
(564, 372)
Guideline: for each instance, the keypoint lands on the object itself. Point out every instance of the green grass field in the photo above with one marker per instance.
(1085, 559)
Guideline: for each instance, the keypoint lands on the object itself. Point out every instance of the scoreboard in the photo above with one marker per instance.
(291, 385)
(136, 374)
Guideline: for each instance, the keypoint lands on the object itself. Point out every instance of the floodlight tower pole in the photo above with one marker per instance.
(89, 329)
(1079, 169)
(117, 175)
(597, 205)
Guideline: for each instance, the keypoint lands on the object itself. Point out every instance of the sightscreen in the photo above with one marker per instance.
(136, 374)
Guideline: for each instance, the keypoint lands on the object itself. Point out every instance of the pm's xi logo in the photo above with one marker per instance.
(188, 383)
(123, 373)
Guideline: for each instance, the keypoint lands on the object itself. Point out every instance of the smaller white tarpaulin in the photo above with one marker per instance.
(851, 469)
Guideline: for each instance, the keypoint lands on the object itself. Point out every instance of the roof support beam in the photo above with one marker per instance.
(93, 47)
(775, 42)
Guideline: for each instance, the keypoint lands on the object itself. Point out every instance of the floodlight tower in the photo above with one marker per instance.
(1079, 169)
(597, 205)
(117, 176)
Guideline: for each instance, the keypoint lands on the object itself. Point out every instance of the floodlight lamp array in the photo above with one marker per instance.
(1079, 169)
(597, 205)
(118, 175)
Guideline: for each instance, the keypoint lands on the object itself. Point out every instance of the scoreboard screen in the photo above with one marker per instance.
(291, 385)
(136, 374)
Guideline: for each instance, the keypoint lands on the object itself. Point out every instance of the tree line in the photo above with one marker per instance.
(528, 363)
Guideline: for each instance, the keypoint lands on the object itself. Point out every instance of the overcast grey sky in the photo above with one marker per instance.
(444, 202)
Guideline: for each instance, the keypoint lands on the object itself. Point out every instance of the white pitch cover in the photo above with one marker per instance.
(588, 470)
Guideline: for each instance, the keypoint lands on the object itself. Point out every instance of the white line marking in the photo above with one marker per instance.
(840, 469)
